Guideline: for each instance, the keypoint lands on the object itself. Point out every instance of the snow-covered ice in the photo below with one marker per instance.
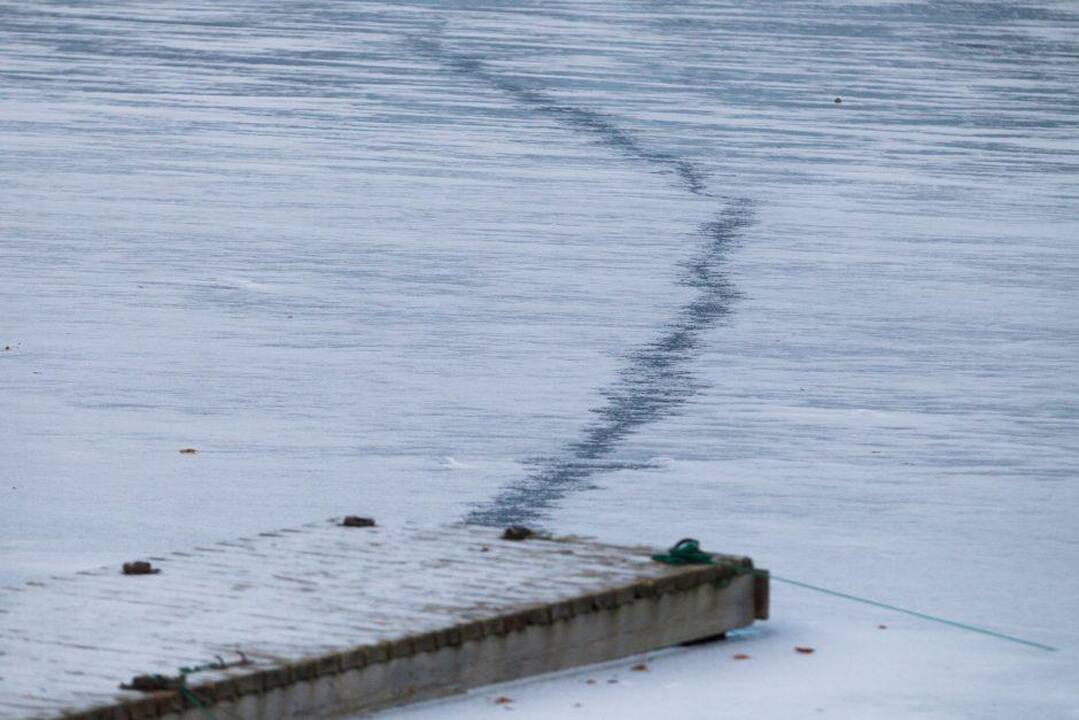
(620, 268)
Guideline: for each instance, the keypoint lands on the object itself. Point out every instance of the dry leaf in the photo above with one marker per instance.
(502, 700)
(804, 650)
(741, 656)
(188, 451)
(641, 667)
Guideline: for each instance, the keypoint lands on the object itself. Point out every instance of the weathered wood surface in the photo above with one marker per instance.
(325, 601)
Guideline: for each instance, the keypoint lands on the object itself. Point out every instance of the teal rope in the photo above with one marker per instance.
(186, 692)
(190, 695)
(685, 552)
(923, 616)
(219, 665)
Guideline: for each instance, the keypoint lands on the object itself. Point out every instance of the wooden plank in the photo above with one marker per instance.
(337, 620)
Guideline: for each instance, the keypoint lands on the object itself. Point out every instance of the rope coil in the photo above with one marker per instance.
(685, 552)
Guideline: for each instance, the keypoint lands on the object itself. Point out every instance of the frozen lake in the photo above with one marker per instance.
(616, 268)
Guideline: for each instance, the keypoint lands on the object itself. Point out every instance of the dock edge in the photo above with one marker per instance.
(688, 603)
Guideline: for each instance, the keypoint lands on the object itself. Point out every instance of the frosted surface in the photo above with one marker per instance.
(278, 598)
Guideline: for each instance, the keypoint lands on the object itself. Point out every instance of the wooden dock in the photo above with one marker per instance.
(326, 619)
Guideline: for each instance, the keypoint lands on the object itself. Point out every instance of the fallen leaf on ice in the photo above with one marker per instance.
(741, 656)
(802, 649)
(188, 451)
(640, 667)
(503, 700)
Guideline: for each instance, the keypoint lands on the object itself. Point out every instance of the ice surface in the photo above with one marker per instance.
(331, 245)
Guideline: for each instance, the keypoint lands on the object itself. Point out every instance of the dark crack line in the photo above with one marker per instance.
(575, 118)
(657, 379)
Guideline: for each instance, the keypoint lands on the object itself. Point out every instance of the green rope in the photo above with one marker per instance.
(688, 552)
(923, 616)
(219, 665)
(186, 692)
(685, 552)
(189, 694)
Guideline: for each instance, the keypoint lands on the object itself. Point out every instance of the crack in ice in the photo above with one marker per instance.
(656, 379)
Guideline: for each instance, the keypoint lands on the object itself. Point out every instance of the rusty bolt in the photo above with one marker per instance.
(139, 567)
(517, 532)
(357, 521)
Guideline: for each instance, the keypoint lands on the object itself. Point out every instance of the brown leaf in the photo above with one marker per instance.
(803, 649)
(741, 656)
(188, 451)
(503, 700)
(640, 667)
